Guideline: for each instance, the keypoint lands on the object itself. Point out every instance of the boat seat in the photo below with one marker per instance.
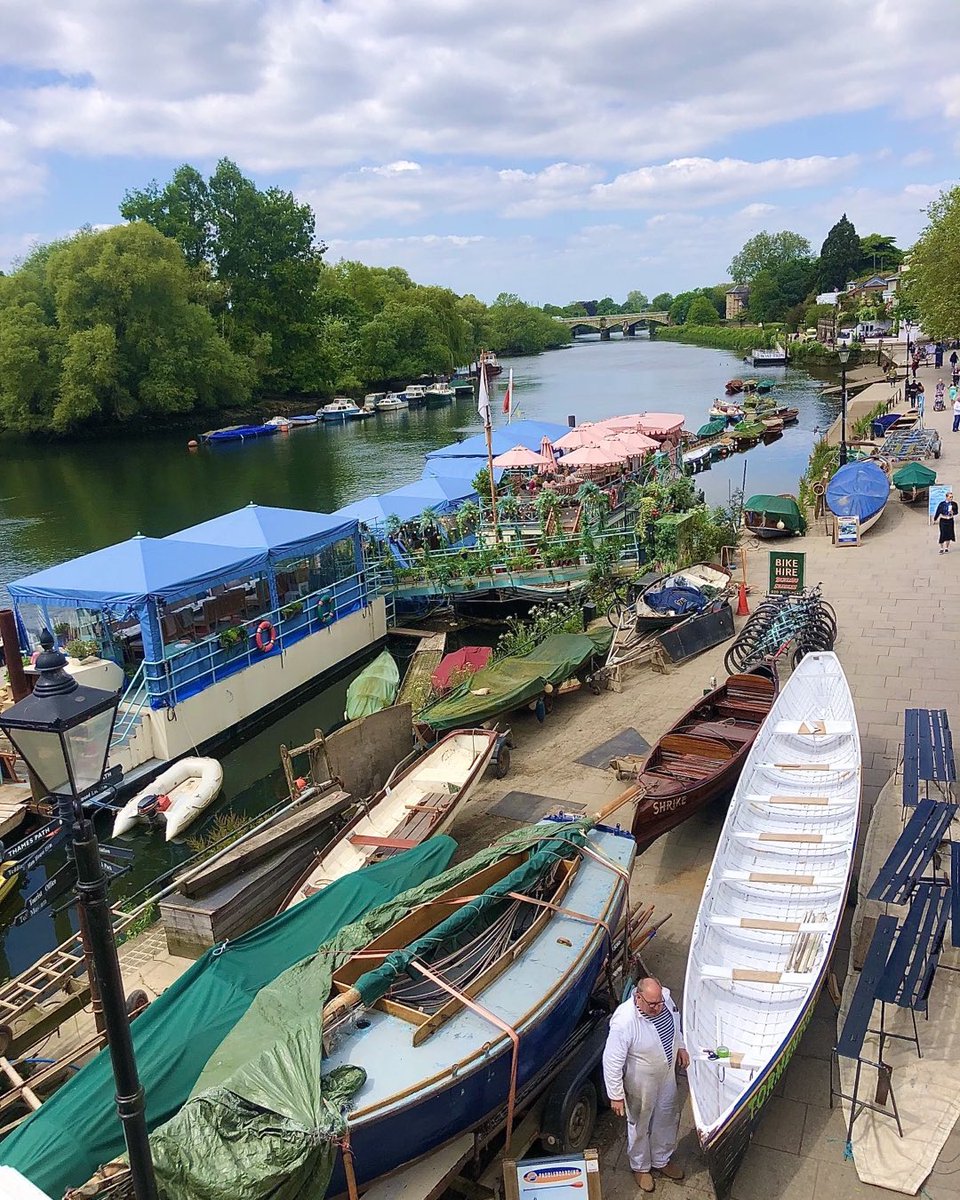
(719, 729)
(814, 728)
(783, 877)
(742, 710)
(380, 842)
(683, 745)
(813, 839)
(751, 975)
(816, 801)
(769, 924)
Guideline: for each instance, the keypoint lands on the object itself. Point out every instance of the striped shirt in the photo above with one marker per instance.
(663, 1022)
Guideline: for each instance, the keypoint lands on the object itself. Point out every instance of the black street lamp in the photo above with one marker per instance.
(844, 356)
(63, 733)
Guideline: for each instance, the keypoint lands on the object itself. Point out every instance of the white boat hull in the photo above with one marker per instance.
(771, 907)
(192, 785)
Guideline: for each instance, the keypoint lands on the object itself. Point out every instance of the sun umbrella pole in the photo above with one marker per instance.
(488, 430)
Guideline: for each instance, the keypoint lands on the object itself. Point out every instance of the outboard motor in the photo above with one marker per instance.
(151, 808)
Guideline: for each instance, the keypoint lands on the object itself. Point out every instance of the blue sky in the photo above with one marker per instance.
(557, 149)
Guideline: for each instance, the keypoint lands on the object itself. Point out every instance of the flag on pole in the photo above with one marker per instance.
(483, 400)
(508, 398)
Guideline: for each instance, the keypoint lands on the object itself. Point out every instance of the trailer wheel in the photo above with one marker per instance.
(581, 1117)
(503, 762)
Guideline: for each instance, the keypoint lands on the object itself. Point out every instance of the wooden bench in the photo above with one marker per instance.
(692, 758)
(913, 850)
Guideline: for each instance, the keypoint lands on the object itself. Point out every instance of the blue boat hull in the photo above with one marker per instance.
(243, 433)
(461, 1104)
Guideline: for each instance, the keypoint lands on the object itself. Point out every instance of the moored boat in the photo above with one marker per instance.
(733, 386)
(174, 799)
(339, 409)
(282, 423)
(698, 459)
(238, 433)
(415, 805)
(859, 489)
(772, 424)
(726, 409)
(775, 357)
(771, 908)
(304, 419)
(415, 395)
(374, 688)
(372, 399)
(394, 402)
(700, 757)
(773, 516)
(913, 481)
(439, 394)
(668, 600)
(713, 428)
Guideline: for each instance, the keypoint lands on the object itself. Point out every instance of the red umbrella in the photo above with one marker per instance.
(467, 660)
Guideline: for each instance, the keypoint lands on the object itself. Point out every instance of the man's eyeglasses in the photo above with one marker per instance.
(654, 1004)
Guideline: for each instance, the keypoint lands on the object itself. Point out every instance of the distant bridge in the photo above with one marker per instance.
(627, 323)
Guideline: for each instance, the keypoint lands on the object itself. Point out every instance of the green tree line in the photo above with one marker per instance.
(215, 294)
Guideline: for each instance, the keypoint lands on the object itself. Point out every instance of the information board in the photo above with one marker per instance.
(787, 569)
(565, 1177)
(846, 531)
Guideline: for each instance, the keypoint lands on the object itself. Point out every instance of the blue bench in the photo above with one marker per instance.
(914, 848)
(927, 752)
(911, 966)
(857, 1025)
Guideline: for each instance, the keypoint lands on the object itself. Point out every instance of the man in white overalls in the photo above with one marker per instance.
(644, 1048)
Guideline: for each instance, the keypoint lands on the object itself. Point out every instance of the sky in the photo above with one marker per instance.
(547, 148)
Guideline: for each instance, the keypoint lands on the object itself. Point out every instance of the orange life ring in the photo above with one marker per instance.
(266, 637)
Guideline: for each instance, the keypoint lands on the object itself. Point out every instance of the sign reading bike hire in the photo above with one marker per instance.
(786, 572)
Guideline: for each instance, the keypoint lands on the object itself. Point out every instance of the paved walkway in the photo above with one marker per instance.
(898, 604)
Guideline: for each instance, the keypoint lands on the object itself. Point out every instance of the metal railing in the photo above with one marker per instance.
(187, 670)
(135, 696)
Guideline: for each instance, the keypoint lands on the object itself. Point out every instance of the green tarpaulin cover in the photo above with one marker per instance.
(262, 1122)
(712, 428)
(373, 689)
(77, 1129)
(782, 507)
(511, 682)
(914, 475)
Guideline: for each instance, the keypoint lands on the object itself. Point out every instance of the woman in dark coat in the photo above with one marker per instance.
(944, 516)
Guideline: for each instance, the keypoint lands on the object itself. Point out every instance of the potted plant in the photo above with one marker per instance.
(232, 639)
(83, 649)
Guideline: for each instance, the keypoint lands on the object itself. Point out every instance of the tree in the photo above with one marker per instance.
(607, 307)
(701, 312)
(635, 302)
(180, 211)
(661, 302)
(766, 298)
(766, 252)
(934, 267)
(839, 256)
(879, 253)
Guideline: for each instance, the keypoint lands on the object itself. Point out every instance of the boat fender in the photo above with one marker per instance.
(266, 637)
(325, 610)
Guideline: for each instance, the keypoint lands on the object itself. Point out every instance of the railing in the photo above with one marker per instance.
(134, 698)
(188, 670)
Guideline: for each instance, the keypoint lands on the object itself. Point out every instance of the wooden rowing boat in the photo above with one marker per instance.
(708, 579)
(771, 908)
(700, 758)
(478, 1016)
(417, 804)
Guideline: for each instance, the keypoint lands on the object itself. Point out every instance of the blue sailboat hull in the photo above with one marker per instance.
(460, 1104)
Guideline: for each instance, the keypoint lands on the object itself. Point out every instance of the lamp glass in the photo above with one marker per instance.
(844, 356)
(43, 752)
(87, 746)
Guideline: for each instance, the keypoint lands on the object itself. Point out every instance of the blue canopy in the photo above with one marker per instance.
(123, 577)
(860, 489)
(439, 494)
(283, 532)
(457, 468)
(377, 510)
(519, 433)
(436, 490)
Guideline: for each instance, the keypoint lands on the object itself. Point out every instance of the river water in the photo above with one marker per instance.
(61, 500)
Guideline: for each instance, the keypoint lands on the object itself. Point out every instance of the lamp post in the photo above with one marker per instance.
(844, 356)
(63, 733)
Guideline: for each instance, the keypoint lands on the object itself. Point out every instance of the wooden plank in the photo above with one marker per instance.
(427, 1178)
(773, 877)
(743, 975)
(385, 843)
(817, 800)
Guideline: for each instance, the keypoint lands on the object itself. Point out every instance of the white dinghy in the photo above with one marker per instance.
(771, 908)
(174, 799)
(417, 804)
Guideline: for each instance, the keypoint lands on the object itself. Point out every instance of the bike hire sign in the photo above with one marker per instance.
(786, 572)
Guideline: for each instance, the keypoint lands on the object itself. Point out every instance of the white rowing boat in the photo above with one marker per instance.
(771, 908)
(420, 802)
(174, 799)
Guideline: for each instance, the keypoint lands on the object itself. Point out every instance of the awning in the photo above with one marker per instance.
(120, 578)
(456, 468)
(284, 533)
(519, 433)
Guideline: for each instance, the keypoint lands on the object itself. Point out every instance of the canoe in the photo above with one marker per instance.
(418, 803)
(374, 688)
(670, 599)
(174, 799)
(772, 424)
(771, 908)
(700, 758)
(436, 1067)
(773, 516)
(859, 489)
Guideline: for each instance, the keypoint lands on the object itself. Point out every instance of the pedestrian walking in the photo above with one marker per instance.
(955, 399)
(944, 516)
(938, 355)
(914, 363)
(953, 360)
(919, 401)
(938, 404)
(643, 1050)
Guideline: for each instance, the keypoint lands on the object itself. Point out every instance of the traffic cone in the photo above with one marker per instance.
(743, 609)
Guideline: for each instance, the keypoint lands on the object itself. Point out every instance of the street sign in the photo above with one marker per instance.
(62, 881)
(33, 839)
(116, 853)
(51, 842)
(787, 568)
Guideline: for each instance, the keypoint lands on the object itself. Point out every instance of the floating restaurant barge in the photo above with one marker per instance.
(211, 626)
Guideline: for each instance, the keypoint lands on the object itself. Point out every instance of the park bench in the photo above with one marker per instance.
(927, 753)
(915, 847)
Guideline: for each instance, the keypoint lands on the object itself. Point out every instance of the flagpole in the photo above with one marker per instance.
(483, 408)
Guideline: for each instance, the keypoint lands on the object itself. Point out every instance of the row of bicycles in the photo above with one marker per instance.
(804, 622)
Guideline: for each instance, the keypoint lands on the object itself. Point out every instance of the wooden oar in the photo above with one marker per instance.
(635, 792)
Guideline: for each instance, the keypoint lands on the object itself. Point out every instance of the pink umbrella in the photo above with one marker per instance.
(660, 425)
(546, 451)
(631, 421)
(520, 457)
(594, 456)
(582, 435)
(634, 444)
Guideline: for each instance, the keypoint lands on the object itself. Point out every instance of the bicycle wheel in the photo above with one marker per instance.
(820, 634)
(731, 664)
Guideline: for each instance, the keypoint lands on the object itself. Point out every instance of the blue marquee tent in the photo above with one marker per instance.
(519, 433)
(457, 468)
(284, 533)
(439, 494)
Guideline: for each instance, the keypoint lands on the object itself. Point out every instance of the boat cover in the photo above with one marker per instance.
(374, 688)
(507, 684)
(675, 600)
(859, 489)
(63, 1143)
(914, 475)
(468, 659)
(262, 1121)
(783, 507)
(712, 428)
